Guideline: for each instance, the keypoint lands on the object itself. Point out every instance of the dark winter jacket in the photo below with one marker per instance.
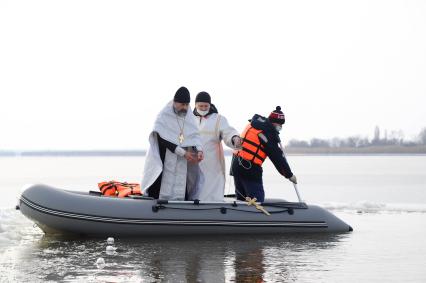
(271, 148)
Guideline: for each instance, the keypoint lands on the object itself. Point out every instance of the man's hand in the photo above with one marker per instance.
(200, 156)
(237, 142)
(293, 179)
(190, 156)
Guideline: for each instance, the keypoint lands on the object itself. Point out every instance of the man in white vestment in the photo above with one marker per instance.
(214, 129)
(174, 144)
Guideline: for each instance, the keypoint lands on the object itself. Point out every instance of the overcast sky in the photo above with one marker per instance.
(93, 74)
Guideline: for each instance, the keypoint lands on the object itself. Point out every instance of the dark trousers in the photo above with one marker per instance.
(248, 188)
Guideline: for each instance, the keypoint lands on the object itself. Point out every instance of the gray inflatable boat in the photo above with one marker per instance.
(58, 211)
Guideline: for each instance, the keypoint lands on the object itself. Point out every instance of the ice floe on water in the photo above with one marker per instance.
(100, 263)
(110, 250)
(369, 206)
(14, 227)
(110, 241)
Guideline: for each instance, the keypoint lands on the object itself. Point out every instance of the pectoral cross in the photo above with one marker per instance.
(181, 138)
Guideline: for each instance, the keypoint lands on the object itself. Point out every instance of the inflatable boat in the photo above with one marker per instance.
(58, 211)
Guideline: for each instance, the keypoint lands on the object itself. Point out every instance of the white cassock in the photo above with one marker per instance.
(174, 179)
(211, 181)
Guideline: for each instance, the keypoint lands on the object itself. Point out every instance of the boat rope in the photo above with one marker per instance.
(222, 209)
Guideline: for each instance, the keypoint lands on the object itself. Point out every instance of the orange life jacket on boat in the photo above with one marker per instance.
(120, 189)
(252, 149)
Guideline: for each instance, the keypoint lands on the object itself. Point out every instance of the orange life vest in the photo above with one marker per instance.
(120, 189)
(252, 149)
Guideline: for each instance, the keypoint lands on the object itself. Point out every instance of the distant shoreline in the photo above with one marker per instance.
(377, 150)
(371, 150)
(71, 153)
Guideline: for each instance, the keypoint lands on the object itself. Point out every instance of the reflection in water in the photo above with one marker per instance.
(178, 259)
(249, 266)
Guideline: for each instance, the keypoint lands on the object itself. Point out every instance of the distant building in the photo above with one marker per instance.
(376, 139)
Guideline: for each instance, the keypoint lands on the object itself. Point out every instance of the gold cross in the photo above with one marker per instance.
(252, 201)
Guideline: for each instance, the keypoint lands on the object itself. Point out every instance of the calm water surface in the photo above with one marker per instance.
(382, 197)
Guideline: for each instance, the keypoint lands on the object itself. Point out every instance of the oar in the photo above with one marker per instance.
(297, 192)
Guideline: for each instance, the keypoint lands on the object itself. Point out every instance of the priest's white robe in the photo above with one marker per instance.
(174, 179)
(211, 180)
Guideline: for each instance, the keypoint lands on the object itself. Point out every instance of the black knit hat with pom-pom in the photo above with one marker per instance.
(277, 116)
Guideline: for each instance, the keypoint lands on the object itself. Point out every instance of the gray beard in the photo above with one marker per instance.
(181, 113)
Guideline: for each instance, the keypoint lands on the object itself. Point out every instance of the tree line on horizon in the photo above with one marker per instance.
(393, 138)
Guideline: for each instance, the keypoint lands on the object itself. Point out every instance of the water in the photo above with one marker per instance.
(382, 197)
